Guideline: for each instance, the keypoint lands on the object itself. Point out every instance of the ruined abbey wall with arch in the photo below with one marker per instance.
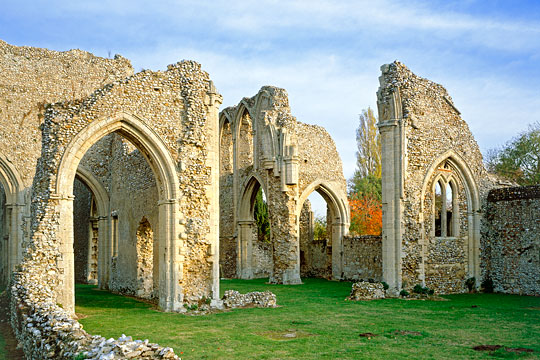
(264, 147)
(435, 191)
(138, 184)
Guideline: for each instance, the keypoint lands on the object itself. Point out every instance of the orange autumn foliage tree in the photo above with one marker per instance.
(366, 215)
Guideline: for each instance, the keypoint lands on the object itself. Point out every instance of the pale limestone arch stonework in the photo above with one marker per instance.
(287, 158)
(158, 156)
(13, 211)
(420, 130)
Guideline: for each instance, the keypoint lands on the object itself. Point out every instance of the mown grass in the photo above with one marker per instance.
(327, 326)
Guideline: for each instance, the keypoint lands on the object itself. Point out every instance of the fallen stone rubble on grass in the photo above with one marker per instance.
(233, 299)
(363, 290)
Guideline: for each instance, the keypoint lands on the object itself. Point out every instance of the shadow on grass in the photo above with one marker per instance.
(90, 297)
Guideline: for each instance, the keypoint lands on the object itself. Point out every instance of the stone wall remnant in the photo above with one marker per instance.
(433, 183)
(510, 241)
(167, 120)
(264, 146)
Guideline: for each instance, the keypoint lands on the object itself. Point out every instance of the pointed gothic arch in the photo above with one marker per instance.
(460, 174)
(160, 161)
(339, 223)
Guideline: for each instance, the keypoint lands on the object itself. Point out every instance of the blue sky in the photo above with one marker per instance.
(326, 54)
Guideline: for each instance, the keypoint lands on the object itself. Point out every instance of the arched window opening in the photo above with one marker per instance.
(449, 210)
(245, 142)
(438, 208)
(445, 207)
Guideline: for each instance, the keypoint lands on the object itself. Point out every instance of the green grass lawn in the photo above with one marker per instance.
(326, 326)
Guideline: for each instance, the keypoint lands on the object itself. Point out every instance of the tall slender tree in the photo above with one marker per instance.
(368, 155)
(365, 191)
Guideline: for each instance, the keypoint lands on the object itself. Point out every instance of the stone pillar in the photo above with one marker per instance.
(338, 231)
(171, 267)
(104, 255)
(245, 249)
(66, 259)
(285, 235)
(391, 202)
(15, 213)
(213, 101)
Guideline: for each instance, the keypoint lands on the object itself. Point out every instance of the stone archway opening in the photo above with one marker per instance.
(316, 237)
(321, 250)
(125, 257)
(254, 234)
(150, 164)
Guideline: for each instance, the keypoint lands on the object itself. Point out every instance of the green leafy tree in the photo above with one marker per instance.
(369, 185)
(261, 217)
(319, 228)
(519, 159)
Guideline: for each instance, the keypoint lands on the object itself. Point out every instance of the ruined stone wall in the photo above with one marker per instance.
(33, 77)
(227, 238)
(315, 148)
(179, 107)
(421, 131)
(362, 258)
(289, 160)
(510, 241)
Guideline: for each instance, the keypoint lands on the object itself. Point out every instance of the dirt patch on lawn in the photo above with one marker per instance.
(487, 347)
(368, 335)
(7, 332)
(519, 350)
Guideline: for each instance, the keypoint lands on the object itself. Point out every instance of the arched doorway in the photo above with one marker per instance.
(159, 160)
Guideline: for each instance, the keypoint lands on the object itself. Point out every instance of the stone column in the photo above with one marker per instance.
(104, 255)
(245, 249)
(213, 101)
(66, 260)
(338, 231)
(171, 266)
(15, 213)
(391, 201)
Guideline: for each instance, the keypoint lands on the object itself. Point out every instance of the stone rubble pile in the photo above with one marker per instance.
(46, 331)
(364, 290)
(233, 299)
